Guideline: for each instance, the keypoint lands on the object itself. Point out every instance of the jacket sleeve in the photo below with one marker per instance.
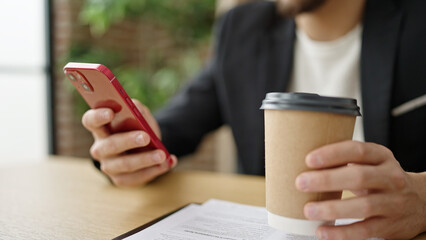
(190, 115)
(195, 110)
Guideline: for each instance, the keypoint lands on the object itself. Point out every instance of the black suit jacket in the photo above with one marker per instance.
(254, 54)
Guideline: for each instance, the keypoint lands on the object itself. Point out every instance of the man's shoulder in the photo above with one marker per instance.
(252, 17)
(255, 11)
(406, 6)
(410, 4)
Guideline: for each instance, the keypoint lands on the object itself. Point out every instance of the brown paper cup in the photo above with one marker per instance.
(290, 134)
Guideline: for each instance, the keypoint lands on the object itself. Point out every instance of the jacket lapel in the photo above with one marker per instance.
(277, 58)
(282, 49)
(379, 44)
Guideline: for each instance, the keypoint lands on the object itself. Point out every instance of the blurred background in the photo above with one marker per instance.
(152, 46)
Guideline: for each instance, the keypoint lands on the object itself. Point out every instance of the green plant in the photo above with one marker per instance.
(188, 19)
(189, 24)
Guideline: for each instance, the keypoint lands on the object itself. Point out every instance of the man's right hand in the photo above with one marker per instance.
(125, 169)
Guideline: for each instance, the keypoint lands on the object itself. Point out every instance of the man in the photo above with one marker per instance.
(370, 48)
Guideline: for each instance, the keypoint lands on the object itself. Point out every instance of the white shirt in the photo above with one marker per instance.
(330, 68)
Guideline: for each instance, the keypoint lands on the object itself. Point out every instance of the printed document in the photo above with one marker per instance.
(217, 219)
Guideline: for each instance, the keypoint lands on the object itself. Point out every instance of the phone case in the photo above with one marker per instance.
(101, 89)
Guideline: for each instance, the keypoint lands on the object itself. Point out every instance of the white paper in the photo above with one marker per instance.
(217, 219)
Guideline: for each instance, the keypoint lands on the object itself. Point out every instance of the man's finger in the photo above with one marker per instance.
(342, 153)
(353, 177)
(174, 161)
(149, 118)
(140, 177)
(119, 143)
(369, 228)
(357, 207)
(95, 120)
(132, 162)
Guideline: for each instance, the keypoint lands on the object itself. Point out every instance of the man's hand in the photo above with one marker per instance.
(391, 201)
(125, 169)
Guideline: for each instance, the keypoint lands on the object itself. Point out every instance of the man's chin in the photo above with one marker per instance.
(291, 8)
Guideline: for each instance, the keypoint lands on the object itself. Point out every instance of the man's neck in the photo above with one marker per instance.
(332, 20)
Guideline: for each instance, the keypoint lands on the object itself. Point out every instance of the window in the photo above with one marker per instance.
(24, 81)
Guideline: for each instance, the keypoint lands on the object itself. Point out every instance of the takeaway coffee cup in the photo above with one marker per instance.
(296, 124)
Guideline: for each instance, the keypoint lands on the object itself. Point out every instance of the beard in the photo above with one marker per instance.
(291, 8)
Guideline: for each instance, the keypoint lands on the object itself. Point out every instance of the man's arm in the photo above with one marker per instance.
(194, 112)
(196, 109)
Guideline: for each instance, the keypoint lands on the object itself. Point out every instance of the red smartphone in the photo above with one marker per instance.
(101, 89)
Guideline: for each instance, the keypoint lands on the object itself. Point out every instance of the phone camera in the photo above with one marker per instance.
(86, 87)
(71, 77)
(79, 77)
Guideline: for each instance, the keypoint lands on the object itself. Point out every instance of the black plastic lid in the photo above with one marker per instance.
(310, 102)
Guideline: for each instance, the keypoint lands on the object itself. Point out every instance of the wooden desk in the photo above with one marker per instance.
(67, 198)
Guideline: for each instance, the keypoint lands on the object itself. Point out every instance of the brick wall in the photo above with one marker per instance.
(71, 139)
